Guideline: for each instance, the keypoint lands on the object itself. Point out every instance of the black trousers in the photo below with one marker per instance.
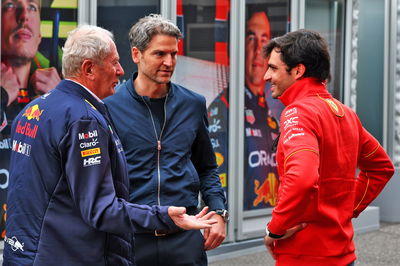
(180, 249)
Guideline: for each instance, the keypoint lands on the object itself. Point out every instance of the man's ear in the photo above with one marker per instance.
(87, 69)
(300, 69)
(136, 55)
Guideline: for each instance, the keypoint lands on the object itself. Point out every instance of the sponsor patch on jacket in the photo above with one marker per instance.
(213, 112)
(290, 112)
(215, 143)
(5, 144)
(90, 152)
(220, 158)
(33, 112)
(253, 132)
(21, 147)
(87, 135)
(272, 123)
(27, 129)
(250, 118)
(290, 122)
(14, 243)
(259, 158)
(89, 144)
(222, 179)
(91, 161)
(214, 126)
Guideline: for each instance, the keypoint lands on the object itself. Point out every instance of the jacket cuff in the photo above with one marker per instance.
(165, 217)
(275, 229)
(216, 205)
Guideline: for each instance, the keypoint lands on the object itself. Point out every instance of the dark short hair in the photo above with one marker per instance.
(303, 47)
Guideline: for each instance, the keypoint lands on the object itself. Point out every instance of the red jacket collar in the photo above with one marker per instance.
(302, 88)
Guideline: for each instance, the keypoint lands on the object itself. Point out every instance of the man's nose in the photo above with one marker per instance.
(258, 47)
(120, 70)
(168, 60)
(22, 14)
(267, 76)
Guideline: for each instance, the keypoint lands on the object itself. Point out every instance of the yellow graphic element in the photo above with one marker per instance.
(271, 123)
(46, 28)
(3, 234)
(90, 104)
(64, 4)
(336, 108)
(90, 152)
(220, 158)
(222, 178)
(267, 192)
(33, 112)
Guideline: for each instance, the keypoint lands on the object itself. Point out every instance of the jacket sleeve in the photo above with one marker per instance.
(298, 190)
(203, 158)
(91, 184)
(376, 169)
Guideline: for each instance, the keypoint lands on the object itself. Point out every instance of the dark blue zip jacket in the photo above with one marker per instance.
(68, 186)
(185, 164)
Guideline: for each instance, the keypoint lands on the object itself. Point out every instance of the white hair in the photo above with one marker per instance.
(85, 42)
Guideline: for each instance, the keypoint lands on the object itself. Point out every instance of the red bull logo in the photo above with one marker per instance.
(267, 192)
(33, 112)
(27, 129)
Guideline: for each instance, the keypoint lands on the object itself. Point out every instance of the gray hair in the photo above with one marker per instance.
(85, 42)
(143, 31)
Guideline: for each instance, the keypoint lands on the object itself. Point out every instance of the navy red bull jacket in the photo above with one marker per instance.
(322, 143)
(182, 164)
(68, 186)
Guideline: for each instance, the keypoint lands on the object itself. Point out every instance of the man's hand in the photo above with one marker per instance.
(44, 79)
(9, 82)
(189, 222)
(269, 242)
(216, 234)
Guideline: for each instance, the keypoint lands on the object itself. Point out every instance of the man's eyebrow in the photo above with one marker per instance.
(248, 32)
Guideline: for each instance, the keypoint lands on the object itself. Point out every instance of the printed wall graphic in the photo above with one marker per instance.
(264, 20)
(32, 34)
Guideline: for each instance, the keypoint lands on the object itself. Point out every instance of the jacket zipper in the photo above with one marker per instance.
(158, 139)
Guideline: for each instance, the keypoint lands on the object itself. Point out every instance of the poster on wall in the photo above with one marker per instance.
(32, 34)
(265, 19)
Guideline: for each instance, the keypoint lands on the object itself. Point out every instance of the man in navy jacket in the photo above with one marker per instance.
(164, 131)
(67, 198)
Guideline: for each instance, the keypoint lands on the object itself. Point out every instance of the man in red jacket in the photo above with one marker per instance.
(321, 145)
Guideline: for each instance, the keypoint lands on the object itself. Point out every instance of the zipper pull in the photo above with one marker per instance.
(158, 145)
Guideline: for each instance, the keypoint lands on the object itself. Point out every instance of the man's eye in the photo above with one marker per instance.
(8, 5)
(33, 8)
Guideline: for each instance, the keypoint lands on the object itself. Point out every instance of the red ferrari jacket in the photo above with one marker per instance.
(322, 143)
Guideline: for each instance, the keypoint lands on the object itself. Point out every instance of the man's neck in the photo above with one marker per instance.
(22, 74)
(256, 89)
(146, 87)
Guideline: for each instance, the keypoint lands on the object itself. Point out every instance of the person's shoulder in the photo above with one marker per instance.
(188, 94)
(121, 92)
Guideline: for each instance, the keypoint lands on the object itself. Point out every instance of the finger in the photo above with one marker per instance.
(207, 216)
(202, 213)
(210, 221)
(207, 243)
(217, 241)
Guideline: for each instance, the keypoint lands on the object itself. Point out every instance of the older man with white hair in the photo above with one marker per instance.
(68, 180)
